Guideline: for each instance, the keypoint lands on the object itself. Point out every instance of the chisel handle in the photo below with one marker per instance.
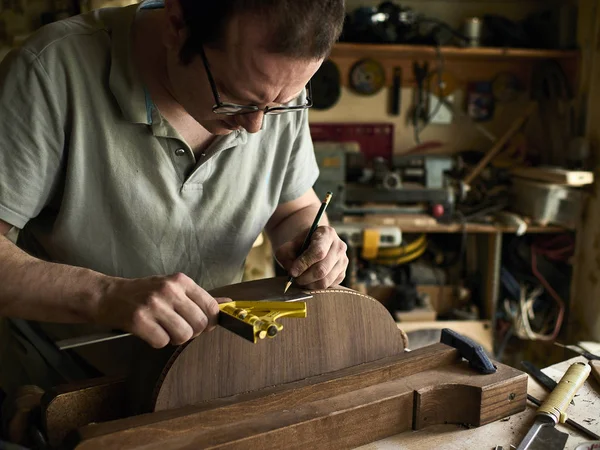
(557, 402)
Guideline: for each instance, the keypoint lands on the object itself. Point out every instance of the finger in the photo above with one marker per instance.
(286, 255)
(148, 330)
(206, 302)
(192, 314)
(339, 279)
(319, 270)
(177, 328)
(317, 250)
(338, 271)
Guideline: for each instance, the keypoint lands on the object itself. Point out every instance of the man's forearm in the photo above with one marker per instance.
(37, 290)
(298, 222)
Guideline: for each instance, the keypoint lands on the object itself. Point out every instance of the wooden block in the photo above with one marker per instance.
(444, 298)
(428, 386)
(425, 314)
(66, 408)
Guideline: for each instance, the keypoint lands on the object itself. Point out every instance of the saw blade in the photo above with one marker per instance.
(367, 77)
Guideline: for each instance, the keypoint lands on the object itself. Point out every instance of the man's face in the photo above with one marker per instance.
(244, 74)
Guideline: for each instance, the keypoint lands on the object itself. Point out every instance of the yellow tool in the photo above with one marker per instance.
(254, 320)
(370, 243)
(251, 320)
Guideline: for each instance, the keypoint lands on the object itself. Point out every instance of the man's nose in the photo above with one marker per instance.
(252, 122)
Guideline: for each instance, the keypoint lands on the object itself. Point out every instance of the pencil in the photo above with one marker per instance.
(308, 237)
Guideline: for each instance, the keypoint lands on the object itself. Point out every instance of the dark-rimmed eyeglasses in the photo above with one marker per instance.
(233, 109)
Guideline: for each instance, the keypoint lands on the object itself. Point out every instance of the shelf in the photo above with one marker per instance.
(423, 51)
(462, 65)
(426, 224)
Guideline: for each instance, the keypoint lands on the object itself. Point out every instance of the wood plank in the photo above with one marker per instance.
(504, 432)
(465, 64)
(343, 328)
(555, 175)
(425, 224)
(327, 411)
(420, 51)
(492, 277)
(345, 380)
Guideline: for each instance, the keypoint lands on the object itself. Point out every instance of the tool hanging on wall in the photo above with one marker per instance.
(421, 94)
(396, 93)
(326, 86)
(367, 77)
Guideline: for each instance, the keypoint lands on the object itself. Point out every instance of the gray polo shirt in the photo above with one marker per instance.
(95, 177)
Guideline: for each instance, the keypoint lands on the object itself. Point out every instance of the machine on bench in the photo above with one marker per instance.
(409, 184)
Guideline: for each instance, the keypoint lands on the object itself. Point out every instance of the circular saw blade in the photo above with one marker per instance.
(367, 77)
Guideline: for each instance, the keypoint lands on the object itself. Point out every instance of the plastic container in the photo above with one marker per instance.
(547, 203)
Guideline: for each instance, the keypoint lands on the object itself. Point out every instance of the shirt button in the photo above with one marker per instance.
(180, 152)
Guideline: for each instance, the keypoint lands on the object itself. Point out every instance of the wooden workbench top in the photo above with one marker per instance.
(586, 411)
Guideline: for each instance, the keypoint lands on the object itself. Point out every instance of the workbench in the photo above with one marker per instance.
(586, 411)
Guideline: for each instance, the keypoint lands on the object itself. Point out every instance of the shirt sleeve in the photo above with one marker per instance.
(31, 138)
(302, 170)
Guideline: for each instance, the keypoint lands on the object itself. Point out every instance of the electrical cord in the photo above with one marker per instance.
(403, 250)
(403, 254)
(556, 249)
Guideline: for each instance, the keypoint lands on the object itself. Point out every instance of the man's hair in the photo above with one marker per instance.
(297, 28)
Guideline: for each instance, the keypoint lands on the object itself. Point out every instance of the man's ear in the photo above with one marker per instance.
(176, 29)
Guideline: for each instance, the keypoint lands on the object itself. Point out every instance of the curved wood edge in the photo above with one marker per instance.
(345, 290)
(348, 328)
(339, 289)
(154, 365)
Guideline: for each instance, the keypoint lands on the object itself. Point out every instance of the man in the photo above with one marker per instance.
(142, 151)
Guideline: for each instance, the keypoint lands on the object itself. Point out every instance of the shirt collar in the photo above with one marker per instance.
(124, 81)
(127, 87)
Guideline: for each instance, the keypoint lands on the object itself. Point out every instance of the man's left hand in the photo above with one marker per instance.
(322, 265)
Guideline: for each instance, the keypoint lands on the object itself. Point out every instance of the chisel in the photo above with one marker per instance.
(553, 410)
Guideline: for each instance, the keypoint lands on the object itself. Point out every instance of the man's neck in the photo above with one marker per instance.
(150, 59)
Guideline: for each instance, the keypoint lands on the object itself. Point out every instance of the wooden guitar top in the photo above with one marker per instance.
(343, 328)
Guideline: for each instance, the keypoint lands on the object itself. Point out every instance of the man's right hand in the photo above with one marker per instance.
(160, 310)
